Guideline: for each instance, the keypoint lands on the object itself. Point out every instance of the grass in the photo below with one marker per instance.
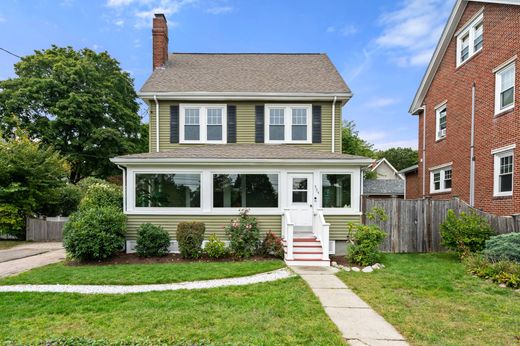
(7, 244)
(135, 274)
(283, 312)
(431, 300)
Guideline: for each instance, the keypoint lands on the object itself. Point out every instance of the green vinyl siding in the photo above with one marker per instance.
(338, 225)
(214, 223)
(245, 124)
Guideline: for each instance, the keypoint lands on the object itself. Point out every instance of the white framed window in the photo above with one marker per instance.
(440, 179)
(202, 123)
(288, 124)
(470, 39)
(505, 88)
(503, 168)
(440, 121)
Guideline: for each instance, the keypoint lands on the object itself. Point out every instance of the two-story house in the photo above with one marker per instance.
(256, 131)
(468, 110)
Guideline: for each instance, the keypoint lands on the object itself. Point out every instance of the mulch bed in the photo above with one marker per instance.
(341, 260)
(131, 258)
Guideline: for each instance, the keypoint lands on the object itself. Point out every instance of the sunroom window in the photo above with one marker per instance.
(167, 190)
(336, 191)
(245, 190)
(470, 40)
(288, 123)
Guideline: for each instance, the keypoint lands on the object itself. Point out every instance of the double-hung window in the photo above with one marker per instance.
(470, 39)
(440, 179)
(288, 123)
(440, 122)
(202, 124)
(505, 88)
(503, 171)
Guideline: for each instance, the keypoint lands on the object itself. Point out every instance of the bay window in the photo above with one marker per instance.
(202, 123)
(167, 190)
(288, 123)
(336, 191)
(245, 190)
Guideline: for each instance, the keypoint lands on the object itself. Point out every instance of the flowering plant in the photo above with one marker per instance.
(244, 235)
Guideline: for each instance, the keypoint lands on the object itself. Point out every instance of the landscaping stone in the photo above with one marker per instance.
(367, 269)
(356, 269)
(376, 266)
(334, 264)
(347, 269)
(502, 285)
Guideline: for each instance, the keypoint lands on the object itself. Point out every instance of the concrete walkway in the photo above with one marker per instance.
(28, 256)
(359, 324)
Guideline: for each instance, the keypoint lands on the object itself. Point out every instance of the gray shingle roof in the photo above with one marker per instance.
(242, 72)
(391, 187)
(243, 151)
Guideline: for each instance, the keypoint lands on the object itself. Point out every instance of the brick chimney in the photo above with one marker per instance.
(160, 40)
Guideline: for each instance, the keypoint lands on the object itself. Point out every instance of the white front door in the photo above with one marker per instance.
(301, 198)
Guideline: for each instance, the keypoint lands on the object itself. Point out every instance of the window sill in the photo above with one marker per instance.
(438, 140)
(468, 59)
(500, 197)
(441, 192)
(504, 112)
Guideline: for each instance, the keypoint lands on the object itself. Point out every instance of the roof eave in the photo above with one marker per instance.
(164, 161)
(205, 95)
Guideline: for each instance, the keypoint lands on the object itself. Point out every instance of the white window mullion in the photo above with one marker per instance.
(203, 122)
(287, 124)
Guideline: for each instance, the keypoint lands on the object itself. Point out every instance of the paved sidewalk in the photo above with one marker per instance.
(359, 324)
(28, 256)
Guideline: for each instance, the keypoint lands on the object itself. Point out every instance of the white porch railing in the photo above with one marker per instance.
(321, 232)
(288, 234)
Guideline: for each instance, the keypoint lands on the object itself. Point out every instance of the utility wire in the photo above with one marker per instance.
(8, 52)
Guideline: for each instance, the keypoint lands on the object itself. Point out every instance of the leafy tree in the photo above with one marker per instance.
(80, 102)
(29, 176)
(400, 158)
(352, 144)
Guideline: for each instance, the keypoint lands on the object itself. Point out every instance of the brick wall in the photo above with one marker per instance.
(501, 42)
(412, 185)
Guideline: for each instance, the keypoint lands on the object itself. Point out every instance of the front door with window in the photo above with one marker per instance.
(301, 198)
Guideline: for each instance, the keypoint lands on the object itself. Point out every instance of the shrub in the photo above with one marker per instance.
(215, 248)
(244, 235)
(190, 236)
(503, 247)
(11, 221)
(466, 233)
(85, 183)
(272, 245)
(63, 201)
(366, 239)
(102, 195)
(503, 272)
(152, 241)
(95, 233)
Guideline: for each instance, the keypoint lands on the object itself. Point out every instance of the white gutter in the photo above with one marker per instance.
(243, 96)
(124, 186)
(472, 150)
(333, 120)
(212, 161)
(156, 123)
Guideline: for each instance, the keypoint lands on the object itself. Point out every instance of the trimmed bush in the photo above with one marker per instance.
(190, 236)
(503, 247)
(366, 239)
(102, 195)
(503, 272)
(85, 183)
(95, 233)
(244, 235)
(466, 233)
(152, 241)
(272, 245)
(215, 248)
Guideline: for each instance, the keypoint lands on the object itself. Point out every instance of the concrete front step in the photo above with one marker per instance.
(307, 255)
(308, 262)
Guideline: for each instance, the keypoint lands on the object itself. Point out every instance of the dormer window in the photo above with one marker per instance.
(288, 123)
(202, 123)
(470, 39)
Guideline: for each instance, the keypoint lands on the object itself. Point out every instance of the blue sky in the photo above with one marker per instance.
(381, 47)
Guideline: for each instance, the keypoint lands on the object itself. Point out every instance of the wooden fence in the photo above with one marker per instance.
(414, 225)
(50, 229)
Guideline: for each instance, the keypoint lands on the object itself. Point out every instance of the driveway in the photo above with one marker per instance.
(28, 256)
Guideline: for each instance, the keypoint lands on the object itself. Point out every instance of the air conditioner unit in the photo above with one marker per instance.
(441, 133)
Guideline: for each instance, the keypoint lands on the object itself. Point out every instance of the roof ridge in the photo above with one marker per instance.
(245, 53)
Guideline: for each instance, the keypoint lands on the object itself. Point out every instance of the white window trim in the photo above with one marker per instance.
(498, 84)
(203, 122)
(438, 111)
(442, 172)
(469, 29)
(288, 123)
(497, 155)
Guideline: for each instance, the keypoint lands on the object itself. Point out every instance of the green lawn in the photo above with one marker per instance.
(135, 274)
(6, 244)
(431, 300)
(283, 312)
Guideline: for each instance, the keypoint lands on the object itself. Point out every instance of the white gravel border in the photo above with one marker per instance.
(124, 289)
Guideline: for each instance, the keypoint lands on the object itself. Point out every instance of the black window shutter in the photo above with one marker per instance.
(316, 124)
(231, 124)
(259, 124)
(174, 124)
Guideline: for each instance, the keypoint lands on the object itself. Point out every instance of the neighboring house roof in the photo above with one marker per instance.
(442, 46)
(232, 152)
(247, 73)
(373, 167)
(410, 169)
(390, 187)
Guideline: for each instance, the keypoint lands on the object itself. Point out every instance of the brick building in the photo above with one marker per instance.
(468, 112)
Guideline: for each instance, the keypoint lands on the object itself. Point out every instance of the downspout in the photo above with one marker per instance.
(124, 186)
(472, 150)
(156, 123)
(424, 154)
(333, 121)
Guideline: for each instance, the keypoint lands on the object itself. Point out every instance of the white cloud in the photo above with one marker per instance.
(96, 47)
(137, 43)
(119, 22)
(346, 30)
(119, 3)
(387, 139)
(411, 33)
(220, 9)
(403, 143)
(331, 29)
(381, 102)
